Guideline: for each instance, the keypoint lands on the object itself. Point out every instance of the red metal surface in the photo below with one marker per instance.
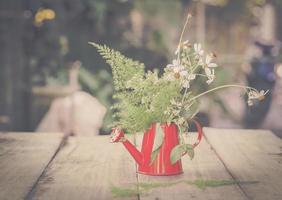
(200, 133)
(162, 165)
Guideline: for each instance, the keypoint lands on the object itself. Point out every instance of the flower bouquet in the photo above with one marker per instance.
(162, 105)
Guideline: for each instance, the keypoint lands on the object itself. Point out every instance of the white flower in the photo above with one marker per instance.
(262, 94)
(198, 49)
(177, 50)
(185, 42)
(186, 83)
(184, 45)
(253, 94)
(170, 77)
(201, 62)
(250, 102)
(210, 74)
(209, 62)
(177, 69)
(209, 81)
(257, 95)
(183, 73)
(175, 63)
(191, 77)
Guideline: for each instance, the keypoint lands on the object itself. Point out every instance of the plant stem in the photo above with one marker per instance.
(221, 87)
(136, 171)
(182, 33)
(190, 63)
(182, 141)
(184, 95)
(201, 75)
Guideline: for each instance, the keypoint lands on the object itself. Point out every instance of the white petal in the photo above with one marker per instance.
(213, 72)
(186, 84)
(200, 62)
(183, 73)
(175, 62)
(250, 103)
(199, 46)
(192, 76)
(208, 59)
(181, 67)
(266, 92)
(209, 81)
(170, 77)
(212, 65)
(169, 66)
(208, 71)
(176, 69)
(252, 95)
(177, 50)
(201, 52)
(195, 47)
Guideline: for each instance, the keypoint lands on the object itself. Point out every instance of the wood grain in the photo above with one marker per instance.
(88, 168)
(23, 157)
(205, 166)
(251, 155)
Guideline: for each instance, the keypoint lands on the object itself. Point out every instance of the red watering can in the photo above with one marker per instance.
(162, 165)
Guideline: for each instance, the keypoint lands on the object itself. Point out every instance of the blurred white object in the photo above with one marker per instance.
(76, 114)
(278, 68)
(264, 32)
(268, 24)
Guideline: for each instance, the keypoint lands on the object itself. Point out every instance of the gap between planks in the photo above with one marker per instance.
(197, 172)
(30, 194)
(227, 169)
(33, 188)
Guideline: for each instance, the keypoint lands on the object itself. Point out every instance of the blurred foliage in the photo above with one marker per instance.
(99, 85)
(56, 43)
(160, 8)
(57, 33)
(64, 39)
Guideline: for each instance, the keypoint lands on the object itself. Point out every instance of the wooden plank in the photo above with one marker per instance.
(88, 168)
(23, 157)
(204, 167)
(251, 155)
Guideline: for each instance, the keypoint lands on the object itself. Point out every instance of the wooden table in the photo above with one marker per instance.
(229, 164)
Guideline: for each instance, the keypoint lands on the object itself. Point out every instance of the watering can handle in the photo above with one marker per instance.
(200, 133)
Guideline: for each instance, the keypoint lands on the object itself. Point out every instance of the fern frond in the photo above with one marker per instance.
(140, 98)
(123, 68)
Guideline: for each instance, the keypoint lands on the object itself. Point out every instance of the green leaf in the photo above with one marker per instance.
(158, 141)
(188, 146)
(177, 153)
(190, 150)
(159, 137)
(154, 155)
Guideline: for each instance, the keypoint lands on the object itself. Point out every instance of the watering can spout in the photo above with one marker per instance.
(137, 155)
(117, 135)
